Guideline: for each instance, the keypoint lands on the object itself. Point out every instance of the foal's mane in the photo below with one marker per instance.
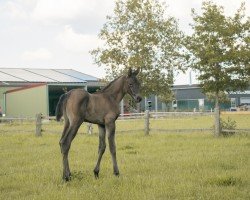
(108, 86)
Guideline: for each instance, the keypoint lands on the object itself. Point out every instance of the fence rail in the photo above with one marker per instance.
(163, 122)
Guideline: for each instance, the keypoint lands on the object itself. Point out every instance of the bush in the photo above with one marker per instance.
(228, 126)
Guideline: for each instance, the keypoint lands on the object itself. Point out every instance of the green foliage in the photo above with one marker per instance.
(219, 48)
(223, 97)
(139, 34)
(167, 97)
(228, 126)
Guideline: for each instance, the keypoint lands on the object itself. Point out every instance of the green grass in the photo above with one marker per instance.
(159, 166)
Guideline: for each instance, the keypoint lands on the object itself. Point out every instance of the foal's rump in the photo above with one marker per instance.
(59, 106)
(73, 100)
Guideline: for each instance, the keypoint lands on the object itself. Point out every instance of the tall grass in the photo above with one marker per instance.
(159, 166)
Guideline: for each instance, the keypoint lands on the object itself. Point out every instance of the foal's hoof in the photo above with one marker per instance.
(96, 173)
(117, 174)
(66, 178)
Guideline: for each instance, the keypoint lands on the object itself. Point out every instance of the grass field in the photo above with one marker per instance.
(159, 166)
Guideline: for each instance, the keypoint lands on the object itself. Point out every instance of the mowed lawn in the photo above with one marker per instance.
(158, 166)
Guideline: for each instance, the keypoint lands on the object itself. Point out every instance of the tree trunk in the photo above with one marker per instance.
(217, 129)
(138, 107)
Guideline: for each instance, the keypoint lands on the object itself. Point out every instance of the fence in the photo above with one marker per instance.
(148, 122)
(166, 122)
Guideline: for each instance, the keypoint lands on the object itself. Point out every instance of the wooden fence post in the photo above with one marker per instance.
(39, 124)
(146, 125)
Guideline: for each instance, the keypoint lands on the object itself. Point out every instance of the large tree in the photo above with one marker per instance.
(140, 34)
(219, 50)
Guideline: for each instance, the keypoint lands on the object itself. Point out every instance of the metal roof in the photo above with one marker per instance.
(77, 74)
(44, 75)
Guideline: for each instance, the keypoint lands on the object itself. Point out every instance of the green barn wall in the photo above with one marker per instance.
(27, 102)
(2, 91)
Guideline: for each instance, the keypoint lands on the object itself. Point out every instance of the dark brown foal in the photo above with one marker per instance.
(101, 108)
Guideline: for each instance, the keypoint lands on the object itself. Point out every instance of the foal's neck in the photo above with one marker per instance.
(117, 89)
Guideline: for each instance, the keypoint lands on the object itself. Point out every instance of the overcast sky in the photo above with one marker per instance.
(60, 33)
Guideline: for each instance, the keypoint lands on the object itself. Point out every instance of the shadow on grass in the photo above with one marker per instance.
(78, 175)
(225, 181)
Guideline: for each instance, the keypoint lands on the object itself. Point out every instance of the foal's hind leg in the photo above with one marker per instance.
(63, 138)
(101, 149)
(65, 146)
(65, 132)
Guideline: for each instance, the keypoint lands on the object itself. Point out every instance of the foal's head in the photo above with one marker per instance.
(133, 85)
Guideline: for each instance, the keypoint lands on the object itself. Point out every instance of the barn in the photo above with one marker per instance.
(26, 92)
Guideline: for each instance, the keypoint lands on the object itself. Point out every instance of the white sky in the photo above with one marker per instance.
(60, 33)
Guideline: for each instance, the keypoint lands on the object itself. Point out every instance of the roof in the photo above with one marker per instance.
(185, 87)
(44, 75)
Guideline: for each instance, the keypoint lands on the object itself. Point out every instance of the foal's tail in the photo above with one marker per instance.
(59, 107)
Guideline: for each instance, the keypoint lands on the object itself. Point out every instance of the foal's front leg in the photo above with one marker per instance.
(112, 147)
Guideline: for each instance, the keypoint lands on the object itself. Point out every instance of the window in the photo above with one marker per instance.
(233, 102)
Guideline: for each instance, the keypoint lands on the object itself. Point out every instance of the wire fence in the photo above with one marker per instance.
(182, 122)
(147, 123)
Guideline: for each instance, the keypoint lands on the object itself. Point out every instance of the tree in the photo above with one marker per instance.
(219, 51)
(140, 35)
(222, 96)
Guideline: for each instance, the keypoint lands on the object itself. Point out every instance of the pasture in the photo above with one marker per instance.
(158, 166)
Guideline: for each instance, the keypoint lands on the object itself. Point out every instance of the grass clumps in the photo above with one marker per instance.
(225, 181)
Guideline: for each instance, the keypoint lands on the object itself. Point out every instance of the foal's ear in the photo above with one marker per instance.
(129, 72)
(137, 71)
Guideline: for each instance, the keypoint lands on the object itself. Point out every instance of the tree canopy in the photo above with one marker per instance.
(140, 34)
(220, 49)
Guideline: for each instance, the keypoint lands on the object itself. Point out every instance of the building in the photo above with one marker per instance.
(26, 92)
(190, 97)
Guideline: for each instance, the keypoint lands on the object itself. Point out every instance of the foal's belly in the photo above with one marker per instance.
(100, 110)
(94, 118)
(94, 121)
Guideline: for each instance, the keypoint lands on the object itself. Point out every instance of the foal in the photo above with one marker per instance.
(101, 108)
